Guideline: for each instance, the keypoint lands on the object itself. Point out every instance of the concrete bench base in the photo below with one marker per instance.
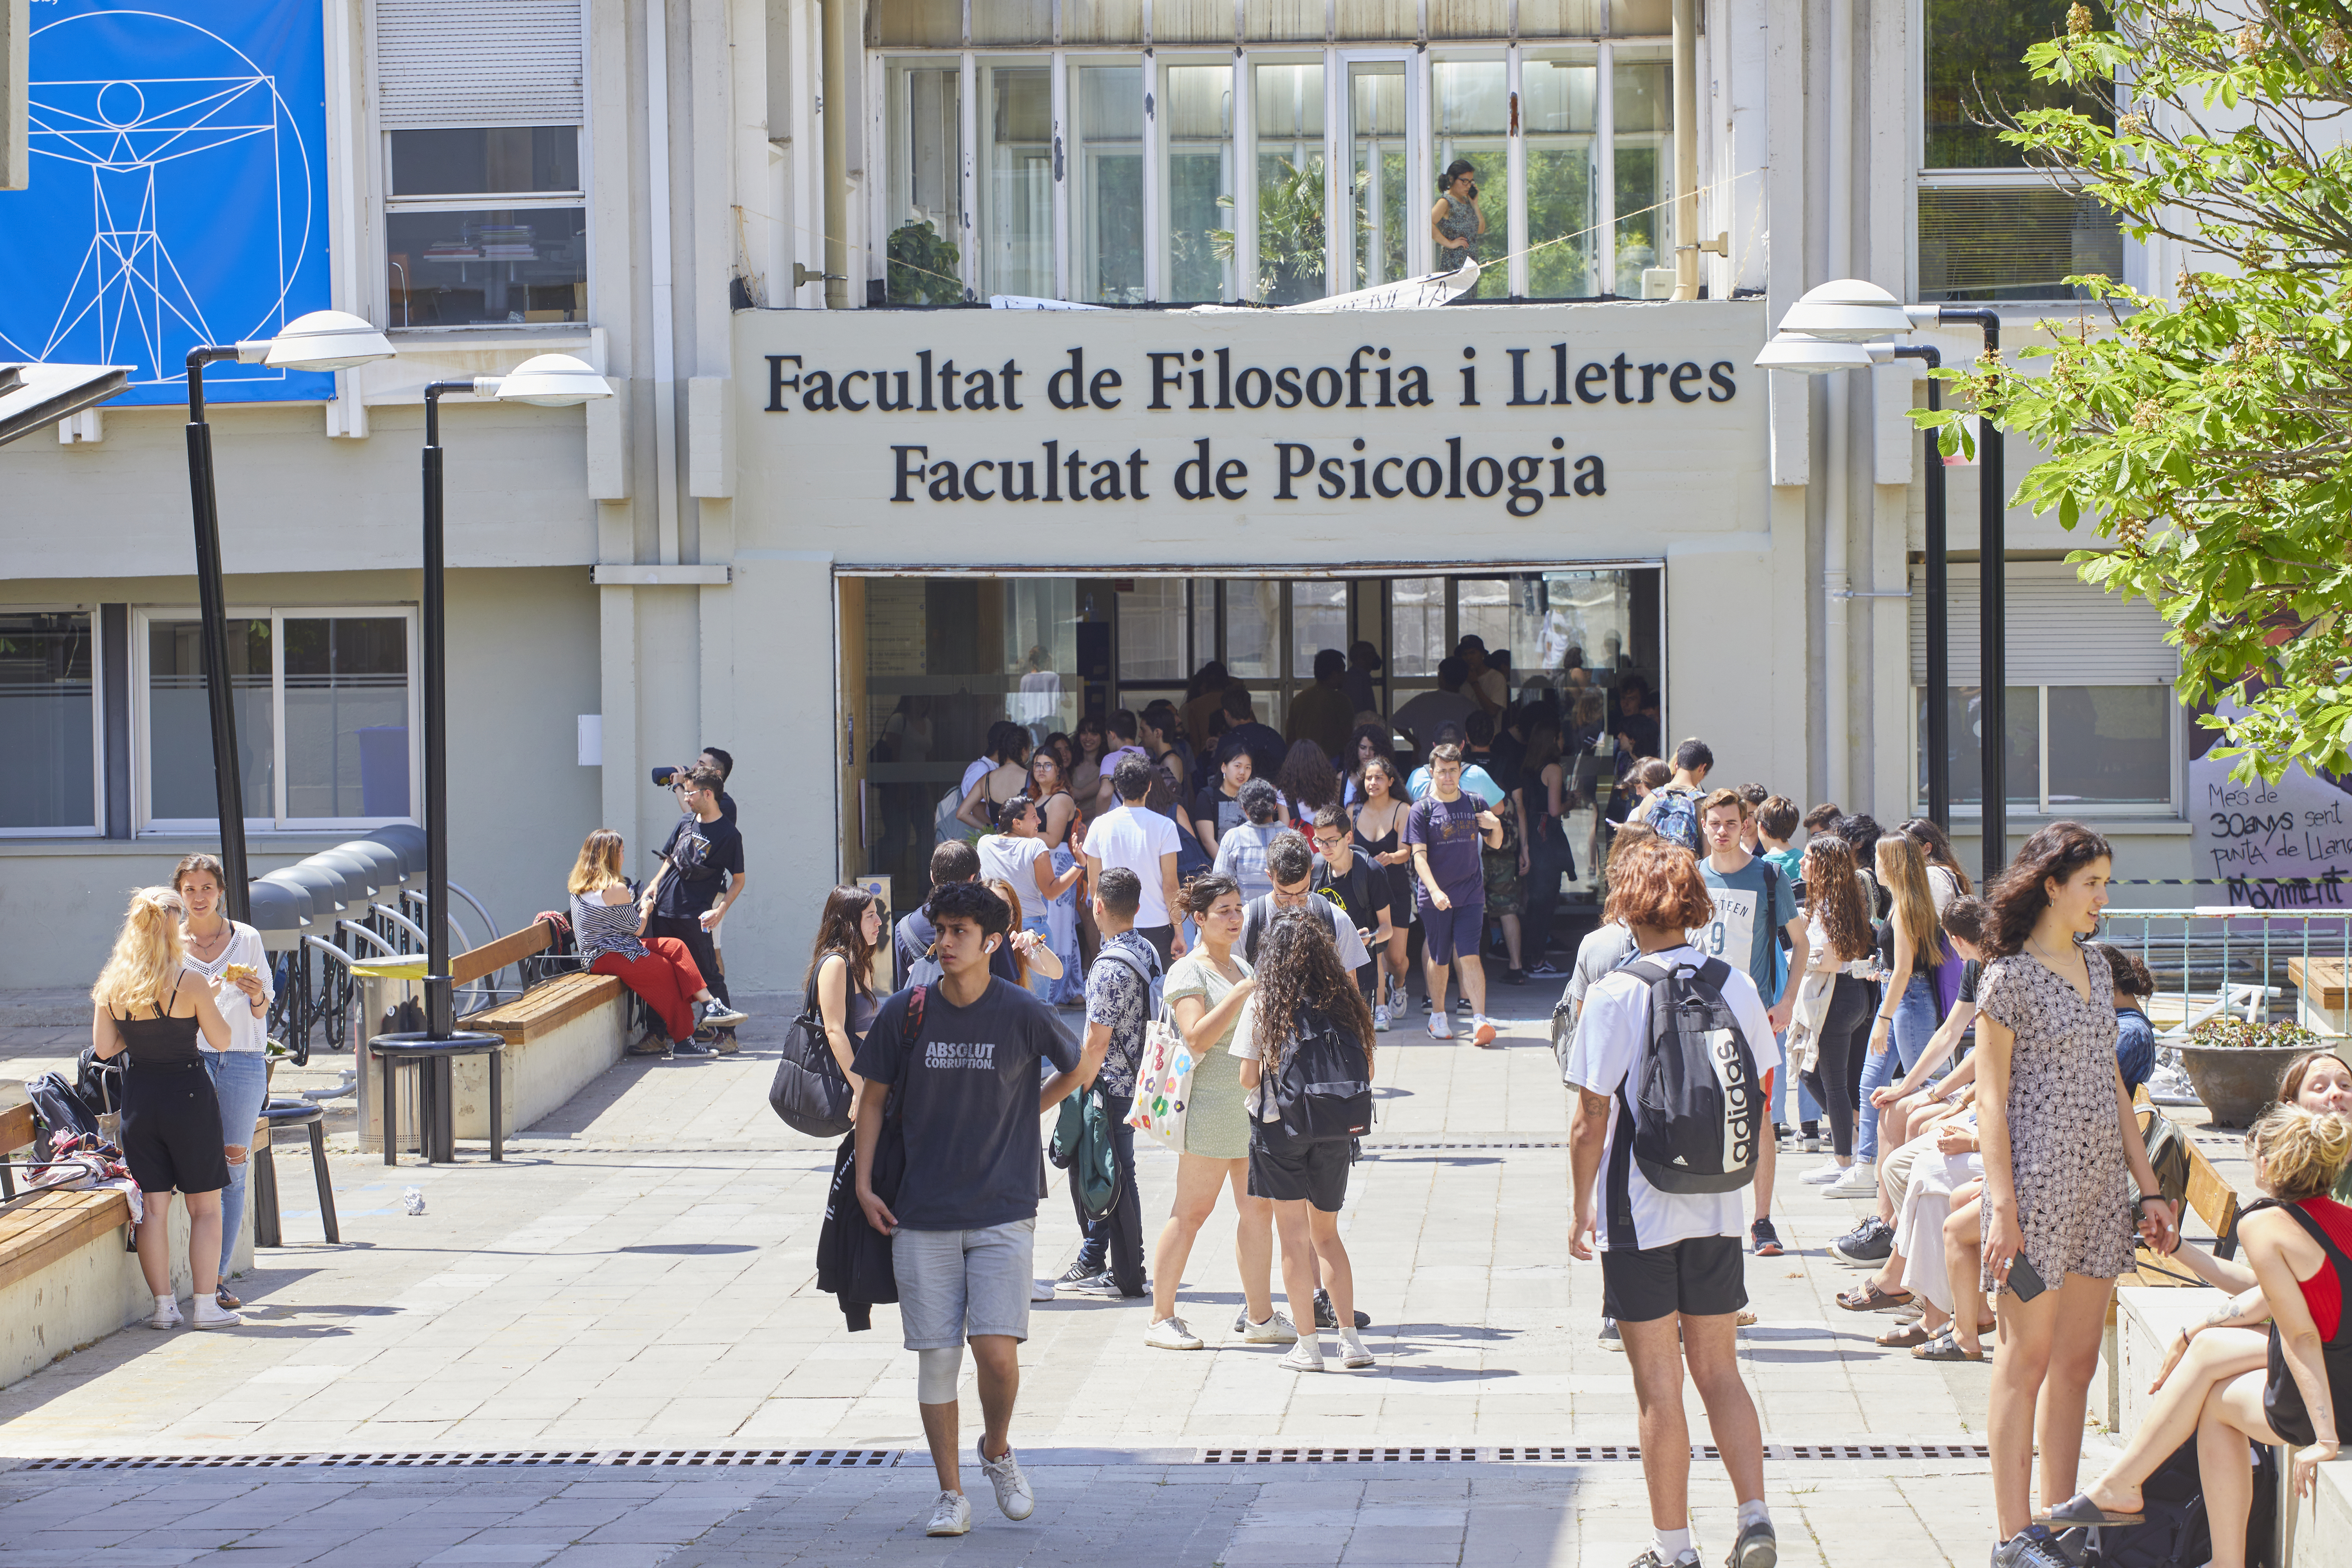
(556, 1046)
(67, 1279)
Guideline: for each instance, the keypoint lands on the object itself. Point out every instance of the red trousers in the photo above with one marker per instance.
(665, 977)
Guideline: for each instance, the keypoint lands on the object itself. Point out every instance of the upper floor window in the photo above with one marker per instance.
(1991, 228)
(485, 192)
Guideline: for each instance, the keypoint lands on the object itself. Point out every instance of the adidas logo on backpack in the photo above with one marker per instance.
(1691, 1114)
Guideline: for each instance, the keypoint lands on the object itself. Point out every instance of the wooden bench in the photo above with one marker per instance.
(559, 1035)
(2323, 989)
(17, 1132)
(69, 1278)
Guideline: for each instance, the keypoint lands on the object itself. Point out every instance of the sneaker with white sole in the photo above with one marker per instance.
(717, 1015)
(1013, 1497)
(1041, 1290)
(1858, 1180)
(1439, 1029)
(1171, 1334)
(1611, 1339)
(167, 1315)
(1482, 1029)
(1352, 1353)
(1866, 1246)
(951, 1515)
(1306, 1355)
(1277, 1329)
(208, 1313)
(1380, 1020)
(1823, 1175)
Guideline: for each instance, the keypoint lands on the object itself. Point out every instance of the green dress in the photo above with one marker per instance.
(1216, 1119)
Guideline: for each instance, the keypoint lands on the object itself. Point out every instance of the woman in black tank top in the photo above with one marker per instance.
(171, 1119)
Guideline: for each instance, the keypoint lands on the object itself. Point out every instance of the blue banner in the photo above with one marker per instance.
(178, 193)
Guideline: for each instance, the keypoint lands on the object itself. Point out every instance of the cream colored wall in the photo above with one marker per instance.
(522, 652)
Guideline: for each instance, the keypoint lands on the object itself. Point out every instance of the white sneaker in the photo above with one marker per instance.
(1380, 1020)
(951, 1515)
(1171, 1334)
(1857, 1181)
(167, 1315)
(1352, 1353)
(1823, 1175)
(1482, 1029)
(1041, 1290)
(210, 1314)
(1012, 1494)
(1275, 1331)
(1306, 1355)
(1439, 1029)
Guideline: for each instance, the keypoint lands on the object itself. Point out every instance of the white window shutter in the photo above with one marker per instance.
(516, 62)
(2063, 631)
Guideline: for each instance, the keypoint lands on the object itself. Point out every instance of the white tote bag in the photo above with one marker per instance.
(1163, 1084)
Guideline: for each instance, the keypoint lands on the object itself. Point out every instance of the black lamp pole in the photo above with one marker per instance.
(1992, 653)
(440, 1004)
(228, 785)
(1939, 610)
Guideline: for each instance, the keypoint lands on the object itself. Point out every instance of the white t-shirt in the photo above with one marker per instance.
(1136, 837)
(1002, 854)
(1611, 1033)
(245, 1032)
(979, 769)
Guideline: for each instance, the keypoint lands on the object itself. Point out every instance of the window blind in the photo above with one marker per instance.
(519, 62)
(2063, 631)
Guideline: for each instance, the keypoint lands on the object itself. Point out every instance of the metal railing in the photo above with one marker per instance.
(317, 994)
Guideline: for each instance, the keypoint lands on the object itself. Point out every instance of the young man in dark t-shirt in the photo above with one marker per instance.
(686, 900)
(963, 1220)
(1361, 889)
(1443, 830)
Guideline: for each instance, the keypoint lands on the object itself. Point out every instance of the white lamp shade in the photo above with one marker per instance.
(1811, 355)
(328, 340)
(1848, 311)
(552, 380)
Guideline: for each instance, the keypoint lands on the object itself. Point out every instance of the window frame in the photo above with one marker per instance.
(390, 207)
(145, 823)
(2176, 751)
(96, 829)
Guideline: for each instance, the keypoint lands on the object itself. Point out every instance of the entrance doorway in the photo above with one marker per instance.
(929, 662)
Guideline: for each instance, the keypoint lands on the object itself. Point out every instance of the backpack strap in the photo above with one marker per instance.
(2336, 1257)
(1617, 1186)
(911, 1030)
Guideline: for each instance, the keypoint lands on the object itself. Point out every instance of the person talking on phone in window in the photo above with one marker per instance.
(1456, 221)
(2067, 1179)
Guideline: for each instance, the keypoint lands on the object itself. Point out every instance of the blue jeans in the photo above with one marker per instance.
(1038, 926)
(1915, 1025)
(241, 1082)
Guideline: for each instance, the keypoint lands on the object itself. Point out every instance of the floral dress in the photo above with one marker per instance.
(2066, 1144)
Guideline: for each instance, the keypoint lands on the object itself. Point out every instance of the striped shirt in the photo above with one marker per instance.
(600, 928)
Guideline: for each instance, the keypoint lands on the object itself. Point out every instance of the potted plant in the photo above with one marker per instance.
(923, 265)
(2236, 1064)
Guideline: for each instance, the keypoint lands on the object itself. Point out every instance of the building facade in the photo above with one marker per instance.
(842, 517)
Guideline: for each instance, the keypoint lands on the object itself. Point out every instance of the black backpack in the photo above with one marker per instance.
(1691, 1112)
(2174, 1531)
(1323, 1089)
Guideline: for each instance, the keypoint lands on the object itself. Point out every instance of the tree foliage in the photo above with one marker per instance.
(2209, 436)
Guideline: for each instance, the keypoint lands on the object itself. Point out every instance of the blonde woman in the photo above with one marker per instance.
(608, 926)
(149, 1011)
(1906, 1016)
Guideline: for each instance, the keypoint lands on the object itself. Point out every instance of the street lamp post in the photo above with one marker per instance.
(1833, 328)
(321, 341)
(552, 380)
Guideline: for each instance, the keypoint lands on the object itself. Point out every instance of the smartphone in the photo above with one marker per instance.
(2025, 1281)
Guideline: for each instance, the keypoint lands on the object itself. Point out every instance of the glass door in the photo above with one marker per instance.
(1378, 107)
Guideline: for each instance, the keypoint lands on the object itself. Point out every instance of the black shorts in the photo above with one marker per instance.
(1287, 1172)
(1702, 1278)
(172, 1130)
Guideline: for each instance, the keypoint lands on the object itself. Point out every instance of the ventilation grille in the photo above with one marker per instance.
(1466, 1143)
(1579, 1454)
(829, 1458)
(1337, 1456)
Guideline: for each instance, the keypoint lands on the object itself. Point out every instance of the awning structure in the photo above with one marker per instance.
(35, 397)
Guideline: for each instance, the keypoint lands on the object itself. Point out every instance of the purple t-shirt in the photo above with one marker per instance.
(1451, 831)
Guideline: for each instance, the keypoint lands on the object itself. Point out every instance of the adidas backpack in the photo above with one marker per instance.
(1691, 1113)
(1323, 1089)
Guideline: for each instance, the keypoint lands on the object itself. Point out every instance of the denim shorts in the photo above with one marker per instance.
(954, 1284)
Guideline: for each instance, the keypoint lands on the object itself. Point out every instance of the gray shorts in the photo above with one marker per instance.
(954, 1284)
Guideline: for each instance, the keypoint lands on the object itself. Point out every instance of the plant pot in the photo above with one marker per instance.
(2237, 1083)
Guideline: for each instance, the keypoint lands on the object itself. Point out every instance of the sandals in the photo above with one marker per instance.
(1903, 1338)
(1944, 1347)
(2080, 1509)
(1867, 1297)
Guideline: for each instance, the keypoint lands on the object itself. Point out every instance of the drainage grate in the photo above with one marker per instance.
(828, 1458)
(1469, 1143)
(1337, 1455)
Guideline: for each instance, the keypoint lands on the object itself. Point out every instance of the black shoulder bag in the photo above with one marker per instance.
(809, 1090)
